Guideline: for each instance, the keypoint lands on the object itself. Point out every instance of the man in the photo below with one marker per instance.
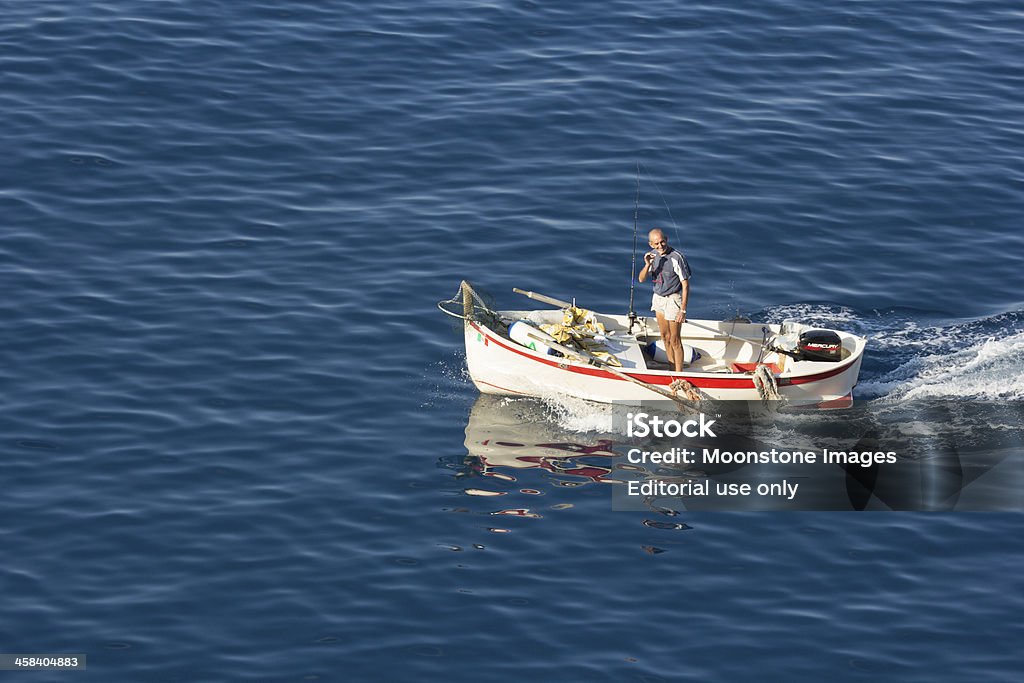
(671, 274)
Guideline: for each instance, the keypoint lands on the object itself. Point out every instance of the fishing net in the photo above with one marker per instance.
(472, 304)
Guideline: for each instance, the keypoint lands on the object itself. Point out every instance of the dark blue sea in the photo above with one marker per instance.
(239, 440)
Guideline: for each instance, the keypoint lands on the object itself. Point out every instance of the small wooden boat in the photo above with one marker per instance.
(610, 359)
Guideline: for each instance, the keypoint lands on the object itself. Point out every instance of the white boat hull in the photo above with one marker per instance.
(499, 366)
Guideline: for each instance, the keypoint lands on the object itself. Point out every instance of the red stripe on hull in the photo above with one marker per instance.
(511, 391)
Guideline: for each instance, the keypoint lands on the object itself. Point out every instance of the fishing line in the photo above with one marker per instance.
(679, 239)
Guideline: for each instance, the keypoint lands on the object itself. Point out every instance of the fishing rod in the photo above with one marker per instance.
(632, 277)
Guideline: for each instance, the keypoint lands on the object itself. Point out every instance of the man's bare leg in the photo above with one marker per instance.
(674, 344)
(665, 327)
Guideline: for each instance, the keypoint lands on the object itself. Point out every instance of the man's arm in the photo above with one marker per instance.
(648, 260)
(681, 318)
(684, 278)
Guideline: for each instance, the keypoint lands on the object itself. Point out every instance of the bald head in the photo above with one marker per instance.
(656, 238)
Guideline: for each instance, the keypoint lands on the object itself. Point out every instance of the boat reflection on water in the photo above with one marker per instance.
(948, 457)
(505, 436)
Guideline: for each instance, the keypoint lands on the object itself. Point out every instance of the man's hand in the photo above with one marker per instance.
(681, 318)
(648, 259)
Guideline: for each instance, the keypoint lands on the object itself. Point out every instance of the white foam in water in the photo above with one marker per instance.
(987, 369)
(814, 314)
(578, 415)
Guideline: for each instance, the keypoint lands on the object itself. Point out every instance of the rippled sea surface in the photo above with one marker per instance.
(237, 432)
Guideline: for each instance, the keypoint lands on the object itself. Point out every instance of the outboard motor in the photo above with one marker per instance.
(823, 346)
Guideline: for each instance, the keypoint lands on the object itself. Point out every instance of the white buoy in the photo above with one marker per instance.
(657, 351)
(532, 338)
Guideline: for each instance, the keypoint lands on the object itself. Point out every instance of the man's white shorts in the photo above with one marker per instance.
(669, 306)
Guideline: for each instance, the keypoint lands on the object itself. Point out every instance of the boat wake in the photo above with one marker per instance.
(910, 359)
(960, 361)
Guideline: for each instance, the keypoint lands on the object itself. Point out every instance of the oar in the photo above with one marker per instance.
(591, 359)
(544, 299)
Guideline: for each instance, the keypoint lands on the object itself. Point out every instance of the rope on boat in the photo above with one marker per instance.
(767, 386)
(688, 391)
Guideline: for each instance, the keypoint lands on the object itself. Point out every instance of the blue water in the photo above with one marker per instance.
(235, 424)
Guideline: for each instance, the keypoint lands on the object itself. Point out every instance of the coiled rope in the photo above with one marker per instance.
(767, 386)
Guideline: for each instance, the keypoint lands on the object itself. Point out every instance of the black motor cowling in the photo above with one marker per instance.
(820, 345)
